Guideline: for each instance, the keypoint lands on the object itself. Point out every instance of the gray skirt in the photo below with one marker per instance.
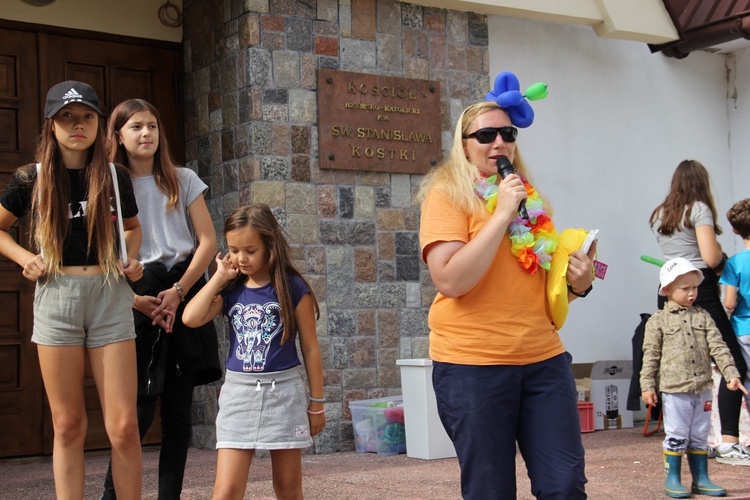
(263, 411)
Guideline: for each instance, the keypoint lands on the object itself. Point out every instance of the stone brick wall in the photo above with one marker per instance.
(251, 113)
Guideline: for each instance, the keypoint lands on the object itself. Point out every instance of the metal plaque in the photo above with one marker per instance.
(378, 123)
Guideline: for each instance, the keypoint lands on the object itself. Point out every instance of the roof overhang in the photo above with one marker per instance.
(703, 24)
(673, 27)
(637, 20)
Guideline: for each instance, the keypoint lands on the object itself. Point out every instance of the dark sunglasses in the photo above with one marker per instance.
(489, 134)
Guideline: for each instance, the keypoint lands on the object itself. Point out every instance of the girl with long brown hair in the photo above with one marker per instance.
(263, 402)
(685, 226)
(179, 242)
(81, 209)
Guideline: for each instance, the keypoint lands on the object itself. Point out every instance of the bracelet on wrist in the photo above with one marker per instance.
(583, 293)
(318, 400)
(180, 291)
(316, 412)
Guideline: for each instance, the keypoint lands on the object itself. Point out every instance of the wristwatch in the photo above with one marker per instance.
(583, 293)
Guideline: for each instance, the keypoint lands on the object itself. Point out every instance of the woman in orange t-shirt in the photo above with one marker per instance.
(501, 374)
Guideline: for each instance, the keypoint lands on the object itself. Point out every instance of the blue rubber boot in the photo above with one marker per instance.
(673, 467)
(698, 462)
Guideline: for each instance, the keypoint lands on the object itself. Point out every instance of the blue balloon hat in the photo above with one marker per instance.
(507, 94)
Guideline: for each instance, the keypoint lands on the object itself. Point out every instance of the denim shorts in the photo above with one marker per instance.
(87, 311)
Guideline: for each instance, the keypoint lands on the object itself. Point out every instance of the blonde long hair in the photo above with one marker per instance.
(456, 175)
(50, 203)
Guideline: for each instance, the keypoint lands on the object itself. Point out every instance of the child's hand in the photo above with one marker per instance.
(317, 421)
(34, 268)
(650, 398)
(133, 271)
(225, 270)
(735, 384)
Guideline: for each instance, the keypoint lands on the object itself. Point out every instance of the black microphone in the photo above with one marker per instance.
(505, 168)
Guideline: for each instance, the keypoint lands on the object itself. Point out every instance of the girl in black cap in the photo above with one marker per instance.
(83, 229)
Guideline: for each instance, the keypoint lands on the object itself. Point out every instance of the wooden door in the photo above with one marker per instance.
(119, 71)
(21, 391)
(31, 61)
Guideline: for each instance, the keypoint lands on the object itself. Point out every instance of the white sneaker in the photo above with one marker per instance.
(737, 455)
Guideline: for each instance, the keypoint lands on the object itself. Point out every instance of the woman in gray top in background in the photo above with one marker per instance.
(685, 226)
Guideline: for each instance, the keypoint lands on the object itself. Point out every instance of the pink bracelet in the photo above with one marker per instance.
(315, 412)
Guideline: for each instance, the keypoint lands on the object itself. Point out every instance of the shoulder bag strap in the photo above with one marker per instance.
(38, 171)
(123, 248)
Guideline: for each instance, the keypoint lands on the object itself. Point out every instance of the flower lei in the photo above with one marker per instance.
(532, 240)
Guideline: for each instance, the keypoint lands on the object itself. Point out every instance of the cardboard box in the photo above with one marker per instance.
(583, 386)
(610, 383)
(379, 425)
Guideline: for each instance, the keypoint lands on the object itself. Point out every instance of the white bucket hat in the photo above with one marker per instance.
(673, 269)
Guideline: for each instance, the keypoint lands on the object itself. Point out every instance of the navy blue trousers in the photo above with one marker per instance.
(486, 410)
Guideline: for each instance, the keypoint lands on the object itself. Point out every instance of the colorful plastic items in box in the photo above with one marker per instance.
(379, 425)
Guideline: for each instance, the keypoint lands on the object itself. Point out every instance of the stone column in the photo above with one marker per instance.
(251, 134)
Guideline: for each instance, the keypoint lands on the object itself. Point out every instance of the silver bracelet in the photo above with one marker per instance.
(180, 291)
(318, 400)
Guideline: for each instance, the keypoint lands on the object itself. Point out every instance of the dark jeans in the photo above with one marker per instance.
(730, 402)
(176, 409)
(486, 410)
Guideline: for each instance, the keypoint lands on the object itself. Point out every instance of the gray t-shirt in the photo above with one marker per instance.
(683, 243)
(168, 235)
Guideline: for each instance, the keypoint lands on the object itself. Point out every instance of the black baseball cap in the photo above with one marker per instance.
(69, 92)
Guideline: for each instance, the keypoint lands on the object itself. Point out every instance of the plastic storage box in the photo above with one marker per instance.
(379, 425)
(586, 413)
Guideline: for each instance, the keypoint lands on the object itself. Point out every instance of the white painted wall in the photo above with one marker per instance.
(738, 102)
(139, 18)
(603, 148)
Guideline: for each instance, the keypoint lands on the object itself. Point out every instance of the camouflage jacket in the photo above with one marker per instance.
(677, 349)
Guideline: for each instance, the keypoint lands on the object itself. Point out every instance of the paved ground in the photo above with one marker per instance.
(620, 464)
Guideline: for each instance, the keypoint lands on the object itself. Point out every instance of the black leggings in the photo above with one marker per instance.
(730, 402)
(176, 411)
